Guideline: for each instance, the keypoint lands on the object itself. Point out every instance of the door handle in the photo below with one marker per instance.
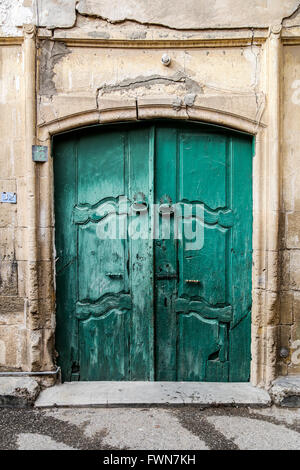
(115, 275)
(166, 209)
(192, 281)
(139, 203)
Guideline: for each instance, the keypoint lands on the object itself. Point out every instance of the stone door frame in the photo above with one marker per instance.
(40, 271)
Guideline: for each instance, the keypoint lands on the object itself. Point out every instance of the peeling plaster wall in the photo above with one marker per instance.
(119, 77)
(197, 14)
(15, 13)
(81, 70)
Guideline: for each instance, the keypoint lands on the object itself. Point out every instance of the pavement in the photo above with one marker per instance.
(160, 428)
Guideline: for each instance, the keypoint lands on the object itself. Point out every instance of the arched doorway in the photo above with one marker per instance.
(154, 252)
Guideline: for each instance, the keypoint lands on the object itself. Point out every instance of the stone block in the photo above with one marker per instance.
(57, 13)
(295, 269)
(63, 105)
(293, 230)
(286, 308)
(286, 391)
(18, 392)
(9, 278)
(117, 109)
(9, 347)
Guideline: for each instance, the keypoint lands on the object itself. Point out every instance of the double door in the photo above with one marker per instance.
(153, 245)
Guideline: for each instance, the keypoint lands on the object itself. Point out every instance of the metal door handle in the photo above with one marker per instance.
(166, 209)
(192, 281)
(139, 206)
(139, 203)
(115, 275)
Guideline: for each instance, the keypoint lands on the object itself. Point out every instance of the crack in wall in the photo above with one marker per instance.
(144, 23)
(292, 15)
(162, 24)
(146, 82)
(260, 104)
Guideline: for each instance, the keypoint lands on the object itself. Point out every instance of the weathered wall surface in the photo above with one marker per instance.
(72, 81)
(12, 292)
(290, 298)
(196, 14)
(100, 61)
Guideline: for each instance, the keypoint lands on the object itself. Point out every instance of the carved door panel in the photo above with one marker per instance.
(137, 304)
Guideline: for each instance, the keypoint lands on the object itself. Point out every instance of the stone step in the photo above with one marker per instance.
(109, 394)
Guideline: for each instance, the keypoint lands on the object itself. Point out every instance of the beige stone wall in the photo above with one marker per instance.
(12, 292)
(290, 290)
(98, 64)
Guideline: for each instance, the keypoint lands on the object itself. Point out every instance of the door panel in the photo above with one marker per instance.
(198, 340)
(101, 167)
(100, 274)
(207, 265)
(99, 355)
(150, 303)
(109, 305)
(211, 291)
(202, 168)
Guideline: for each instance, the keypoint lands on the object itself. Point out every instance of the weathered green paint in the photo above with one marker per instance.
(127, 309)
(205, 340)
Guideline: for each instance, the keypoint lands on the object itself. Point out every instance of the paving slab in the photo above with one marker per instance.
(19, 392)
(84, 394)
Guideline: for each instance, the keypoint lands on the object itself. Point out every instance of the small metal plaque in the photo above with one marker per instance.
(39, 153)
(10, 198)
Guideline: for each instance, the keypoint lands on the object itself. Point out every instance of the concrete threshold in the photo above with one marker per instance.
(118, 394)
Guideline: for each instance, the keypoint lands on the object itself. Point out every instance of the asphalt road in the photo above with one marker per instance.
(150, 428)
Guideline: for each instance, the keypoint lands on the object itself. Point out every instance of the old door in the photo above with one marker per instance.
(203, 309)
(104, 284)
(153, 245)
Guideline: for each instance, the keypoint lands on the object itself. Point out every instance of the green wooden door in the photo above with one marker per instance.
(138, 298)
